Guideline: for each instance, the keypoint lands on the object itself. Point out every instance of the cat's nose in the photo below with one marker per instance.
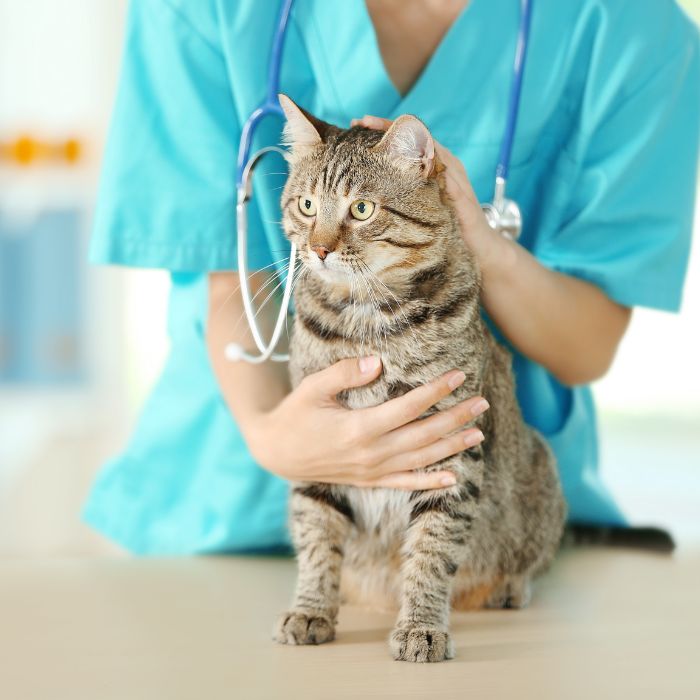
(321, 251)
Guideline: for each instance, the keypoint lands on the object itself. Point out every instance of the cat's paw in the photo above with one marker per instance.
(514, 592)
(297, 627)
(420, 645)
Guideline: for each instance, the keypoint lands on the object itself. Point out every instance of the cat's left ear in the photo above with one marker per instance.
(409, 142)
(303, 131)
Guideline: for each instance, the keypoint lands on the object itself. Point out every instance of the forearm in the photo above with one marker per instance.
(249, 390)
(286, 431)
(563, 323)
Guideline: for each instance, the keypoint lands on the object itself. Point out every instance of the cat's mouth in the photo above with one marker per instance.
(330, 269)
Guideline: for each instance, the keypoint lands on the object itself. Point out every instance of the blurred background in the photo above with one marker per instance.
(80, 346)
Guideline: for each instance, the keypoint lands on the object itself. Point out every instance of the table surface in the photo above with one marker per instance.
(604, 623)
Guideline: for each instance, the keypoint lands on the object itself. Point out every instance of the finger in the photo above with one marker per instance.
(448, 158)
(438, 450)
(396, 412)
(455, 168)
(458, 182)
(344, 374)
(459, 187)
(426, 431)
(415, 481)
(371, 122)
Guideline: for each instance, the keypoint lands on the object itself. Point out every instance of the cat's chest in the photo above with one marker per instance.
(381, 512)
(416, 344)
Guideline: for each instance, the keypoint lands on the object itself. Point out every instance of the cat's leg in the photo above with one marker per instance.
(320, 523)
(434, 547)
(514, 591)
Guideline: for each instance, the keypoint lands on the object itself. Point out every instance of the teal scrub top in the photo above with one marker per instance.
(604, 168)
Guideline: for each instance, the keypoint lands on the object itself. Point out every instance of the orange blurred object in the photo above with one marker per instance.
(72, 150)
(26, 150)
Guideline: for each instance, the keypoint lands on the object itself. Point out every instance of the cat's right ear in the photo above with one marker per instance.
(409, 143)
(303, 131)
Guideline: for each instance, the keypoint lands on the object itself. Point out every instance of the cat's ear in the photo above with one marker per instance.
(409, 142)
(302, 131)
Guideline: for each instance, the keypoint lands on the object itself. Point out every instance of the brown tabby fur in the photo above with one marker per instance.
(413, 300)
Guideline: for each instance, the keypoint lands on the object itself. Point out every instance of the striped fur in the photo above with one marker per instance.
(403, 285)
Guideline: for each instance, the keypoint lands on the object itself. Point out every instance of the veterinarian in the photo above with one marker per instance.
(603, 168)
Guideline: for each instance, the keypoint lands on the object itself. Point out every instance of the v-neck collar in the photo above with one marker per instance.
(434, 60)
(350, 69)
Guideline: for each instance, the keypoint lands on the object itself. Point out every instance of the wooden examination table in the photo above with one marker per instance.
(604, 623)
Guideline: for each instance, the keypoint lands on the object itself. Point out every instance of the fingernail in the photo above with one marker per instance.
(473, 438)
(479, 407)
(456, 380)
(448, 481)
(369, 364)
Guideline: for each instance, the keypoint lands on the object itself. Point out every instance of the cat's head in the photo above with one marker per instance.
(360, 200)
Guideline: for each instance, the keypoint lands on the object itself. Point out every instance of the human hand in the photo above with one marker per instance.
(476, 232)
(309, 436)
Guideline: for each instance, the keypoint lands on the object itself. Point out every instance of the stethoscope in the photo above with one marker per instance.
(503, 214)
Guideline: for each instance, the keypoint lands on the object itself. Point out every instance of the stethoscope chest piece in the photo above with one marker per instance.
(503, 215)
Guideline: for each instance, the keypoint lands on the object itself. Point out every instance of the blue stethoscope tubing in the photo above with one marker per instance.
(244, 188)
(516, 89)
(503, 214)
(270, 105)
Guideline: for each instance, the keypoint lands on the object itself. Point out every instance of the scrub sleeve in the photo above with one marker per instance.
(617, 210)
(186, 482)
(627, 219)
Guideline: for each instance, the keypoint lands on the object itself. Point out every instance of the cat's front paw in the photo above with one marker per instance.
(420, 645)
(298, 627)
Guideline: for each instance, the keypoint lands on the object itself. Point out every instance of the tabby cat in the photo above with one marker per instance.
(386, 272)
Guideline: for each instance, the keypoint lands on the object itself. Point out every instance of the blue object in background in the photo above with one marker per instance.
(41, 310)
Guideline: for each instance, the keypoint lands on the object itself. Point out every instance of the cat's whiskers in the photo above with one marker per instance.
(280, 277)
(353, 295)
(274, 278)
(380, 327)
(372, 335)
(399, 308)
(359, 316)
(351, 275)
(385, 326)
(374, 289)
(238, 286)
(279, 285)
(299, 273)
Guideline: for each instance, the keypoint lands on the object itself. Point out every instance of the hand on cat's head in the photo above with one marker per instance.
(382, 197)
(457, 184)
(407, 140)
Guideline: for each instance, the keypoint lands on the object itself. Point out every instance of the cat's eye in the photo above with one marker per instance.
(362, 209)
(307, 206)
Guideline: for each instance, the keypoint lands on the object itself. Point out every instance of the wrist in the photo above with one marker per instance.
(254, 428)
(495, 254)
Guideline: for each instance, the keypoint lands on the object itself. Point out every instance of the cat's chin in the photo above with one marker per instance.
(332, 276)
